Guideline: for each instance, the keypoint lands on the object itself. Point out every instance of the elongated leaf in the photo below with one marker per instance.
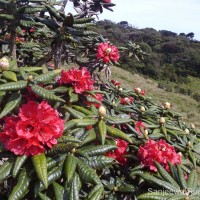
(99, 162)
(70, 167)
(85, 122)
(10, 75)
(76, 114)
(116, 133)
(13, 101)
(56, 160)
(20, 160)
(21, 188)
(87, 173)
(191, 182)
(96, 150)
(65, 139)
(75, 187)
(61, 148)
(164, 184)
(5, 170)
(54, 174)
(102, 131)
(181, 177)
(154, 196)
(13, 86)
(97, 194)
(46, 94)
(59, 191)
(83, 110)
(166, 176)
(43, 196)
(47, 77)
(40, 165)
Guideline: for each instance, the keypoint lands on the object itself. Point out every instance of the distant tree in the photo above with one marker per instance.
(123, 24)
(182, 34)
(190, 35)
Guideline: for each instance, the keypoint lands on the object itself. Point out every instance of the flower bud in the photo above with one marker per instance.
(167, 105)
(30, 78)
(187, 131)
(138, 90)
(162, 120)
(142, 108)
(120, 89)
(4, 63)
(102, 111)
(192, 126)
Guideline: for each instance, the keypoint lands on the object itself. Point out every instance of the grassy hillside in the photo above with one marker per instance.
(181, 103)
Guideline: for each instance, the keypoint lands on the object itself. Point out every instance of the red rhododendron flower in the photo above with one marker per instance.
(37, 127)
(98, 97)
(139, 124)
(159, 151)
(107, 52)
(119, 153)
(107, 1)
(116, 83)
(79, 79)
(126, 100)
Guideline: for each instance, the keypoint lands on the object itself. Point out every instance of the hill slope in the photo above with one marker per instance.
(181, 103)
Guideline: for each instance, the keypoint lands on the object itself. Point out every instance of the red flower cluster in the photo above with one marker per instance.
(107, 1)
(98, 97)
(126, 100)
(36, 127)
(119, 153)
(107, 52)
(79, 79)
(159, 151)
(139, 124)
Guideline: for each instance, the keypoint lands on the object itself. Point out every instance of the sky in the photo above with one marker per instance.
(179, 16)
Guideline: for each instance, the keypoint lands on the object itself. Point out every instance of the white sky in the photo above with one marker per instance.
(180, 16)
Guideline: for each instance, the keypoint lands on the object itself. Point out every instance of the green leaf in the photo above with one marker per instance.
(87, 173)
(118, 120)
(75, 187)
(56, 160)
(40, 165)
(59, 191)
(43, 196)
(85, 122)
(102, 131)
(11, 104)
(31, 69)
(166, 176)
(83, 110)
(65, 139)
(154, 196)
(91, 136)
(164, 184)
(21, 188)
(47, 77)
(178, 197)
(99, 162)
(70, 167)
(69, 124)
(116, 133)
(10, 75)
(181, 177)
(46, 94)
(13, 86)
(191, 182)
(5, 170)
(74, 113)
(96, 150)
(61, 148)
(53, 175)
(97, 194)
(20, 160)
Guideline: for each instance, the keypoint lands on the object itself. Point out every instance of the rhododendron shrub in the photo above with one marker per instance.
(35, 129)
(159, 151)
